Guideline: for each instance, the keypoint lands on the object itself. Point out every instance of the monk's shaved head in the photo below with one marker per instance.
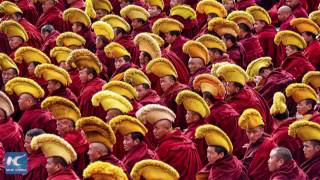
(162, 128)
(285, 9)
(282, 153)
(283, 13)
(99, 147)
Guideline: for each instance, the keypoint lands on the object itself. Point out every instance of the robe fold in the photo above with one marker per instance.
(312, 167)
(118, 74)
(136, 106)
(191, 27)
(2, 170)
(149, 138)
(11, 136)
(176, 47)
(289, 171)
(180, 153)
(151, 97)
(29, 10)
(66, 93)
(243, 4)
(77, 4)
(202, 70)
(36, 166)
(90, 38)
(118, 149)
(107, 63)
(113, 160)
(238, 54)
(252, 48)
(4, 46)
(299, 11)
(52, 16)
(155, 18)
(65, 174)
(49, 43)
(224, 58)
(76, 85)
(312, 53)
(35, 39)
(286, 24)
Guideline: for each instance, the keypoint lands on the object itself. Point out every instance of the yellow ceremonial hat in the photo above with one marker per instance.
(76, 15)
(134, 12)
(196, 49)
(29, 54)
(20, 85)
(116, 22)
(166, 25)
(53, 145)
(312, 78)
(97, 131)
(305, 25)
(126, 124)
(70, 39)
(111, 100)
(250, 119)
(212, 42)
(211, 84)
(211, 7)
(315, 16)
(13, 29)
(241, 17)
(89, 10)
(288, 37)
(99, 170)
(223, 26)
(60, 53)
(256, 65)
(121, 88)
(102, 4)
(136, 77)
(300, 92)
(193, 102)
(116, 50)
(61, 108)
(153, 169)
(102, 28)
(153, 113)
(233, 73)
(216, 66)
(6, 104)
(305, 130)
(161, 67)
(83, 58)
(259, 14)
(52, 72)
(8, 7)
(214, 136)
(279, 104)
(7, 63)
(147, 44)
(158, 3)
(156, 37)
(184, 11)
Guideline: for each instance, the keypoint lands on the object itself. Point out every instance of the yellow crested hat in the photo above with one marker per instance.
(116, 50)
(305, 25)
(116, 22)
(216, 66)
(136, 77)
(89, 10)
(20, 85)
(121, 88)
(153, 113)
(8, 7)
(256, 65)
(158, 3)
(102, 4)
(61, 108)
(6, 63)
(134, 12)
(288, 37)
(29, 54)
(147, 44)
(184, 11)
(279, 104)
(53, 145)
(259, 14)
(97, 131)
(60, 53)
(305, 130)
(212, 42)
(196, 49)
(76, 15)
(233, 73)
(161, 67)
(211, 84)
(83, 58)
(156, 37)
(104, 29)
(126, 124)
(211, 7)
(111, 100)
(6, 104)
(153, 169)
(103, 170)
(52, 72)
(241, 17)
(300, 92)
(70, 39)
(13, 29)
(166, 25)
(315, 16)
(250, 118)
(193, 102)
(214, 136)
(223, 26)
(312, 78)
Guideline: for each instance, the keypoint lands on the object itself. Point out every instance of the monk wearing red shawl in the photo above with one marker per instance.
(297, 9)
(2, 170)
(4, 47)
(49, 35)
(188, 19)
(235, 50)
(156, 12)
(28, 9)
(76, 4)
(285, 16)
(51, 15)
(243, 4)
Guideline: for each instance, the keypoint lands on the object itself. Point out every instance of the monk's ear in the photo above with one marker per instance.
(317, 148)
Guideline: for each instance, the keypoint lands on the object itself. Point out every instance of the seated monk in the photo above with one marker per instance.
(155, 9)
(243, 4)
(2, 170)
(29, 93)
(172, 144)
(222, 164)
(49, 35)
(312, 78)
(285, 16)
(297, 8)
(103, 170)
(79, 4)
(282, 166)
(59, 154)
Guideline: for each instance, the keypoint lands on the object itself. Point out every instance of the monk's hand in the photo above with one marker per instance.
(246, 146)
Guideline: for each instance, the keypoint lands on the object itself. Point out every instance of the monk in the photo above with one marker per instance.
(155, 12)
(75, 86)
(121, 65)
(49, 35)
(107, 63)
(29, 10)
(285, 16)
(311, 52)
(297, 9)
(243, 4)
(146, 95)
(55, 88)
(2, 170)
(4, 47)
(235, 50)
(311, 165)
(191, 26)
(86, 32)
(57, 168)
(51, 15)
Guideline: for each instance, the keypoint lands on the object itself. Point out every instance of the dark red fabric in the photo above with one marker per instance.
(243, 4)
(118, 149)
(155, 18)
(203, 70)
(180, 153)
(191, 27)
(11, 136)
(315, 117)
(49, 43)
(312, 53)
(28, 9)
(136, 106)
(120, 71)
(54, 17)
(65, 174)
(36, 166)
(286, 24)
(113, 160)
(77, 4)
(35, 39)
(238, 54)
(66, 93)
(90, 38)
(313, 5)
(312, 167)
(299, 12)
(252, 47)
(4, 46)
(1, 157)
(107, 63)
(176, 47)
(155, 81)
(289, 171)
(149, 138)
(224, 58)
(151, 97)
(76, 85)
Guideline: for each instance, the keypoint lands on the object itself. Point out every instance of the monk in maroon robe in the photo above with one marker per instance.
(4, 47)
(312, 164)
(66, 93)
(154, 18)
(11, 136)
(66, 173)
(136, 106)
(297, 9)
(49, 42)
(202, 70)
(251, 45)
(35, 38)
(150, 97)
(76, 4)
(191, 26)
(311, 52)
(119, 72)
(76, 85)
(236, 51)
(51, 15)
(176, 45)
(28, 9)
(286, 16)
(243, 4)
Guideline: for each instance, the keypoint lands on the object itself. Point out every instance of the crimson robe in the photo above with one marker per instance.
(297, 65)
(151, 97)
(107, 63)
(36, 166)
(312, 53)
(176, 47)
(52, 16)
(90, 38)
(180, 153)
(4, 46)
(155, 18)
(202, 70)
(77, 4)
(113, 160)
(299, 11)
(312, 167)
(136, 106)
(191, 27)
(118, 74)
(66, 93)
(118, 148)
(2, 170)
(238, 54)
(286, 24)
(35, 39)
(149, 138)
(49, 43)
(11, 136)
(315, 117)
(224, 58)
(65, 174)
(29, 10)
(289, 171)
(252, 48)
(35, 117)
(76, 85)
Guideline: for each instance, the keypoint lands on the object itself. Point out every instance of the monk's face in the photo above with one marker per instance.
(46, 5)
(27, 142)
(231, 88)
(166, 83)
(84, 75)
(258, 26)
(64, 126)
(129, 142)
(118, 62)
(154, 11)
(100, 13)
(176, 2)
(136, 23)
(51, 166)
(290, 50)
(8, 74)
(53, 86)
(93, 152)
(228, 4)
(212, 155)
(31, 68)
(15, 42)
(141, 90)
(310, 149)
(303, 107)
(25, 102)
(192, 117)
(274, 162)
(161, 129)
(3, 117)
(143, 59)
(169, 38)
(194, 64)
(254, 134)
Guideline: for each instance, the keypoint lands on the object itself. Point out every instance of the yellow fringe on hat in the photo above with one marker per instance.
(104, 170)
(89, 10)
(158, 3)
(41, 70)
(259, 13)
(256, 65)
(132, 75)
(116, 50)
(241, 17)
(12, 28)
(290, 91)
(9, 8)
(312, 78)
(209, 6)
(85, 54)
(62, 36)
(232, 73)
(216, 66)
(223, 26)
(99, 96)
(148, 44)
(74, 15)
(211, 41)
(129, 11)
(118, 86)
(166, 25)
(279, 104)
(288, 37)
(127, 124)
(196, 49)
(149, 113)
(18, 81)
(116, 21)
(156, 37)
(315, 16)
(152, 68)
(6, 63)
(250, 118)
(20, 55)
(102, 28)
(184, 11)
(295, 126)
(305, 25)
(6, 104)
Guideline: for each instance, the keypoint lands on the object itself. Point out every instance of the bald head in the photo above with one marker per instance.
(282, 153)
(99, 147)
(284, 12)
(26, 101)
(162, 128)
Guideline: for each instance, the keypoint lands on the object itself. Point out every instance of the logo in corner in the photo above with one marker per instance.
(16, 162)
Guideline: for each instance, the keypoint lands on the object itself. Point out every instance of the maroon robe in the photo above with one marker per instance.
(76, 85)
(149, 138)
(176, 47)
(35, 117)
(77, 4)
(315, 117)
(151, 97)
(202, 70)
(299, 11)
(243, 4)
(113, 160)
(180, 153)
(224, 58)
(53, 16)
(252, 47)
(136, 106)
(66, 93)
(107, 63)
(2, 170)
(36, 166)
(312, 167)
(191, 27)
(238, 54)
(312, 53)
(4, 46)
(286, 24)
(35, 39)
(118, 74)
(28, 9)
(49, 43)
(289, 171)
(90, 38)
(65, 174)
(118, 148)
(11, 136)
